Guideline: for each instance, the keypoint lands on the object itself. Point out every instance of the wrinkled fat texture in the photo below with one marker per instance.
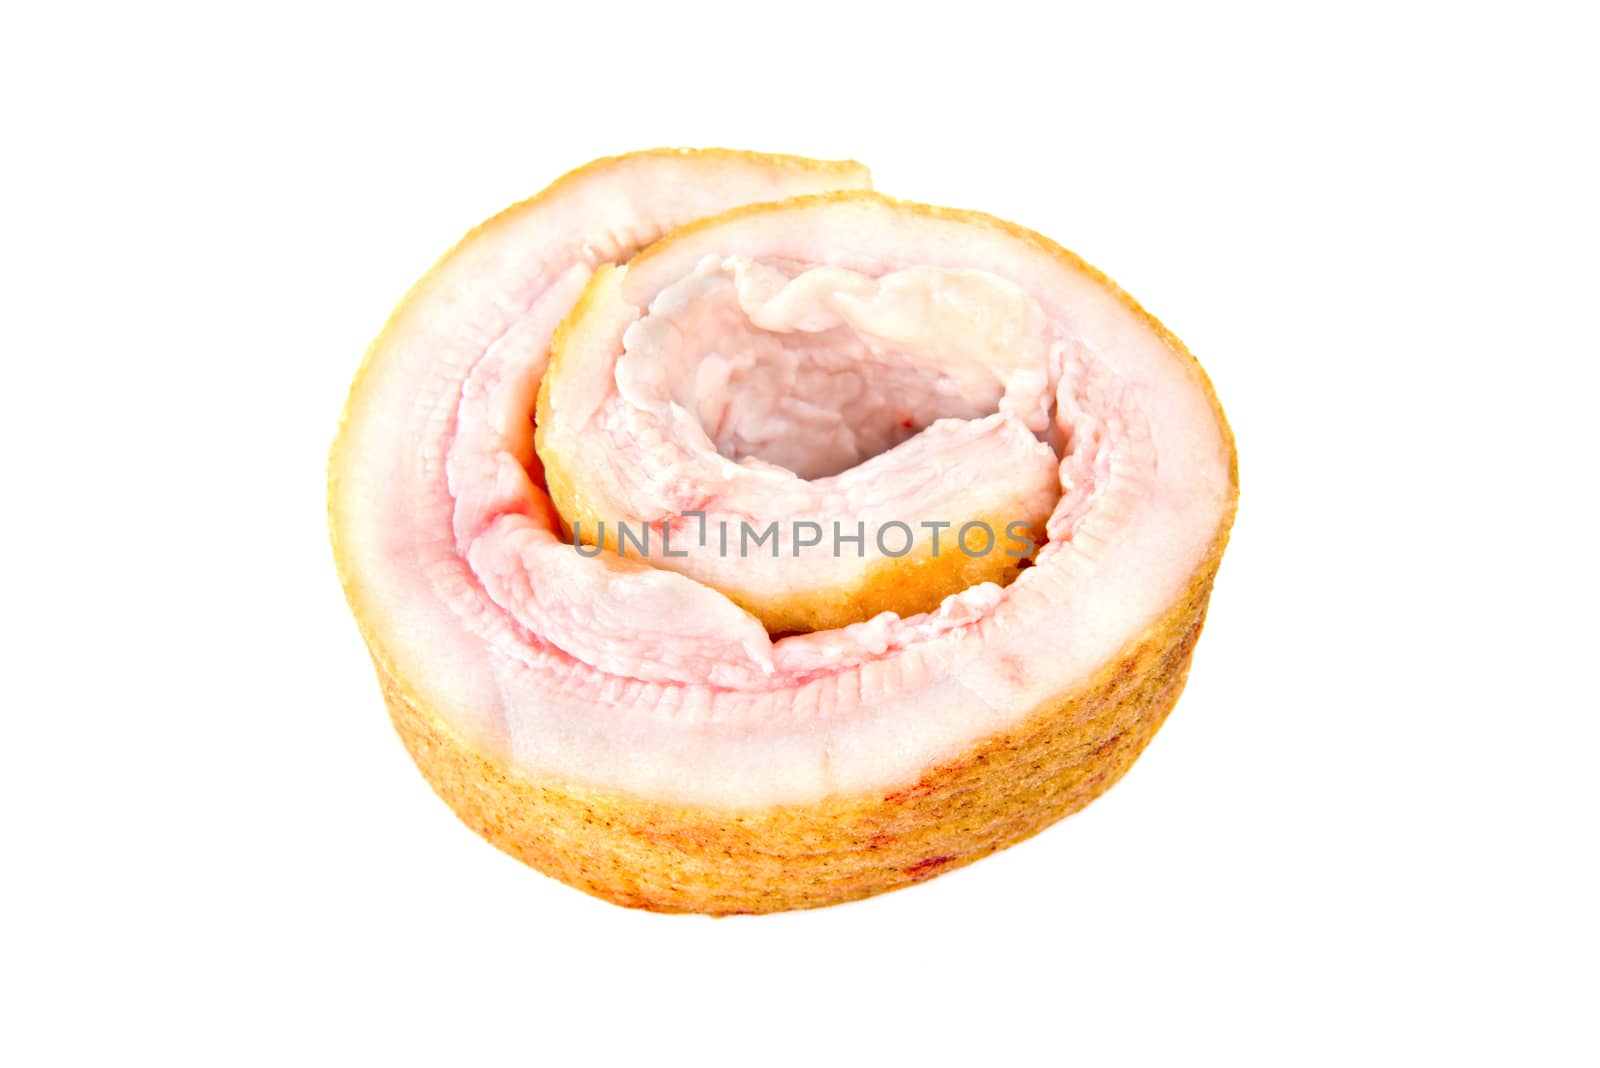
(818, 371)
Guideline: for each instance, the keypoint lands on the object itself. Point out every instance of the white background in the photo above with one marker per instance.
(1367, 834)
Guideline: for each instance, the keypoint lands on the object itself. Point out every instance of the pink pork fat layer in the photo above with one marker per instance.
(615, 673)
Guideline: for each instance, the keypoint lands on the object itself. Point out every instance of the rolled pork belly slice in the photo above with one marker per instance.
(727, 733)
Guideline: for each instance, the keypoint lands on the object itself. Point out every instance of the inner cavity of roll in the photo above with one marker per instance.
(816, 369)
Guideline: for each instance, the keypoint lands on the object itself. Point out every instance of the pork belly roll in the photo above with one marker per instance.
(731, 538)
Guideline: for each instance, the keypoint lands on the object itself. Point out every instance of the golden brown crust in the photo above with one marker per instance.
(908, 585)
(677, 858)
